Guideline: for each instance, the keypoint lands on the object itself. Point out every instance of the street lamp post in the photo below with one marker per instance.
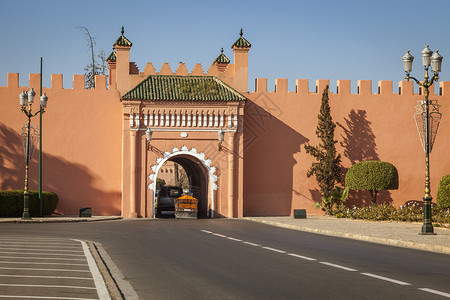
(427, 122)
(26, 100)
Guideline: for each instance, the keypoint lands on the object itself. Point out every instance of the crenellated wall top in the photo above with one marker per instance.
(12, 81)
(343, 87)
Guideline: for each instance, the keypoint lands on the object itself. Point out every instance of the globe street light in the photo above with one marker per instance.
(427, 120)
(26, 100)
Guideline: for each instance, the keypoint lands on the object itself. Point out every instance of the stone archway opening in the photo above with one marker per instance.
(188, 173)
(201, 173)
(197, 177)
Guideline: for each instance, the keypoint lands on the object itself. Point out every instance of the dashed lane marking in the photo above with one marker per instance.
(435, 292)
(274, 250)
(301, 256)
(219, 235)
(428, 290)
(386, 279)
(252, 244)
(337, 266)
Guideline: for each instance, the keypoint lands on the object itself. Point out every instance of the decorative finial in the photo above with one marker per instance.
(122, 30)
(241, 33)
(221, 50)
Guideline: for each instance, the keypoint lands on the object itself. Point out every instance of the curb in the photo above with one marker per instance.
(117, 286)
(365, 238)
(59, 219)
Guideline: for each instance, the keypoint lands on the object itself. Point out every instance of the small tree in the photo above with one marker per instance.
(327, 168)
(93, 67)
(372, 176)
(159, 183)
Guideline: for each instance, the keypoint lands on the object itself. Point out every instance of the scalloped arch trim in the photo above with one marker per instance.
(183, 151)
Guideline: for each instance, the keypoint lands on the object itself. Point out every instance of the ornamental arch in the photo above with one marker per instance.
(201, 176)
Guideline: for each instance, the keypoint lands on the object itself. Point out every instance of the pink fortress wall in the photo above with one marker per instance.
(81, 143)
(369, 127)
(87, 155)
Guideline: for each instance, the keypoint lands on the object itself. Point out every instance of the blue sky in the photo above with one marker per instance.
(290, 39)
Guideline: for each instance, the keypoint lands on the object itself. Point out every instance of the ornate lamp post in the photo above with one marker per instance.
(26, 101)
(427, 121)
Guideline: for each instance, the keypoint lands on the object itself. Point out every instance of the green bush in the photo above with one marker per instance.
(372, 176)
(11, 203)
(443, 192)
(410, 212)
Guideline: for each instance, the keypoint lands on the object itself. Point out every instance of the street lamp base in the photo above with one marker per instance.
(26, 217)
(427, 229)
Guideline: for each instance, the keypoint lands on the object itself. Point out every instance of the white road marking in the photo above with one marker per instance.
(220, 235)
(252, 244)
(48, 286)
(386, 279)
(275, 250)
(42, 245)
(337, 266)
(34, 269)
(447, 295)
(435, 292)
(30, 249)
(98, 279)
(42, 276)
(42, 253)
(40, 258)
(301, 256)
(40, 263)
(44, 297)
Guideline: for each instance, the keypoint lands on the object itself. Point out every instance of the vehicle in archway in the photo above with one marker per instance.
(166, 198)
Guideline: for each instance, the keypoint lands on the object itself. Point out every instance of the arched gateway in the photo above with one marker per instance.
(195, 121)
(201, 175)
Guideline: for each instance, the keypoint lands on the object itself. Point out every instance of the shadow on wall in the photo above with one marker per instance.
(73, 183)
(359, 145)
(269, 148)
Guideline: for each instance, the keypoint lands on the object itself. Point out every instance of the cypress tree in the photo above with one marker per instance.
(327, 166)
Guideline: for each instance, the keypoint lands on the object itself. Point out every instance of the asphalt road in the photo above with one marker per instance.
(239, 259)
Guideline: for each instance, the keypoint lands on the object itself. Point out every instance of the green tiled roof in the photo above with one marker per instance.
(123, 41)
(241, 42)
(112, 57)
(183, 88)
(222, 59)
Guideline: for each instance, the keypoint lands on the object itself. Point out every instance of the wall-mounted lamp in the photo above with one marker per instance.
(148, 136)
(220, 134)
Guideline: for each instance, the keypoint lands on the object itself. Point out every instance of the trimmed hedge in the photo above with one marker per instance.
(372, 176)
(443, 192)
(11, 203)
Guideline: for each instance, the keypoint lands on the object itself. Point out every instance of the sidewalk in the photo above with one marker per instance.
(60, 219)
(389, 233)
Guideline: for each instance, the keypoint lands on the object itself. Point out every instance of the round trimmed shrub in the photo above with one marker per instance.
(11, 203)
(372, 176)
(443, 192)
